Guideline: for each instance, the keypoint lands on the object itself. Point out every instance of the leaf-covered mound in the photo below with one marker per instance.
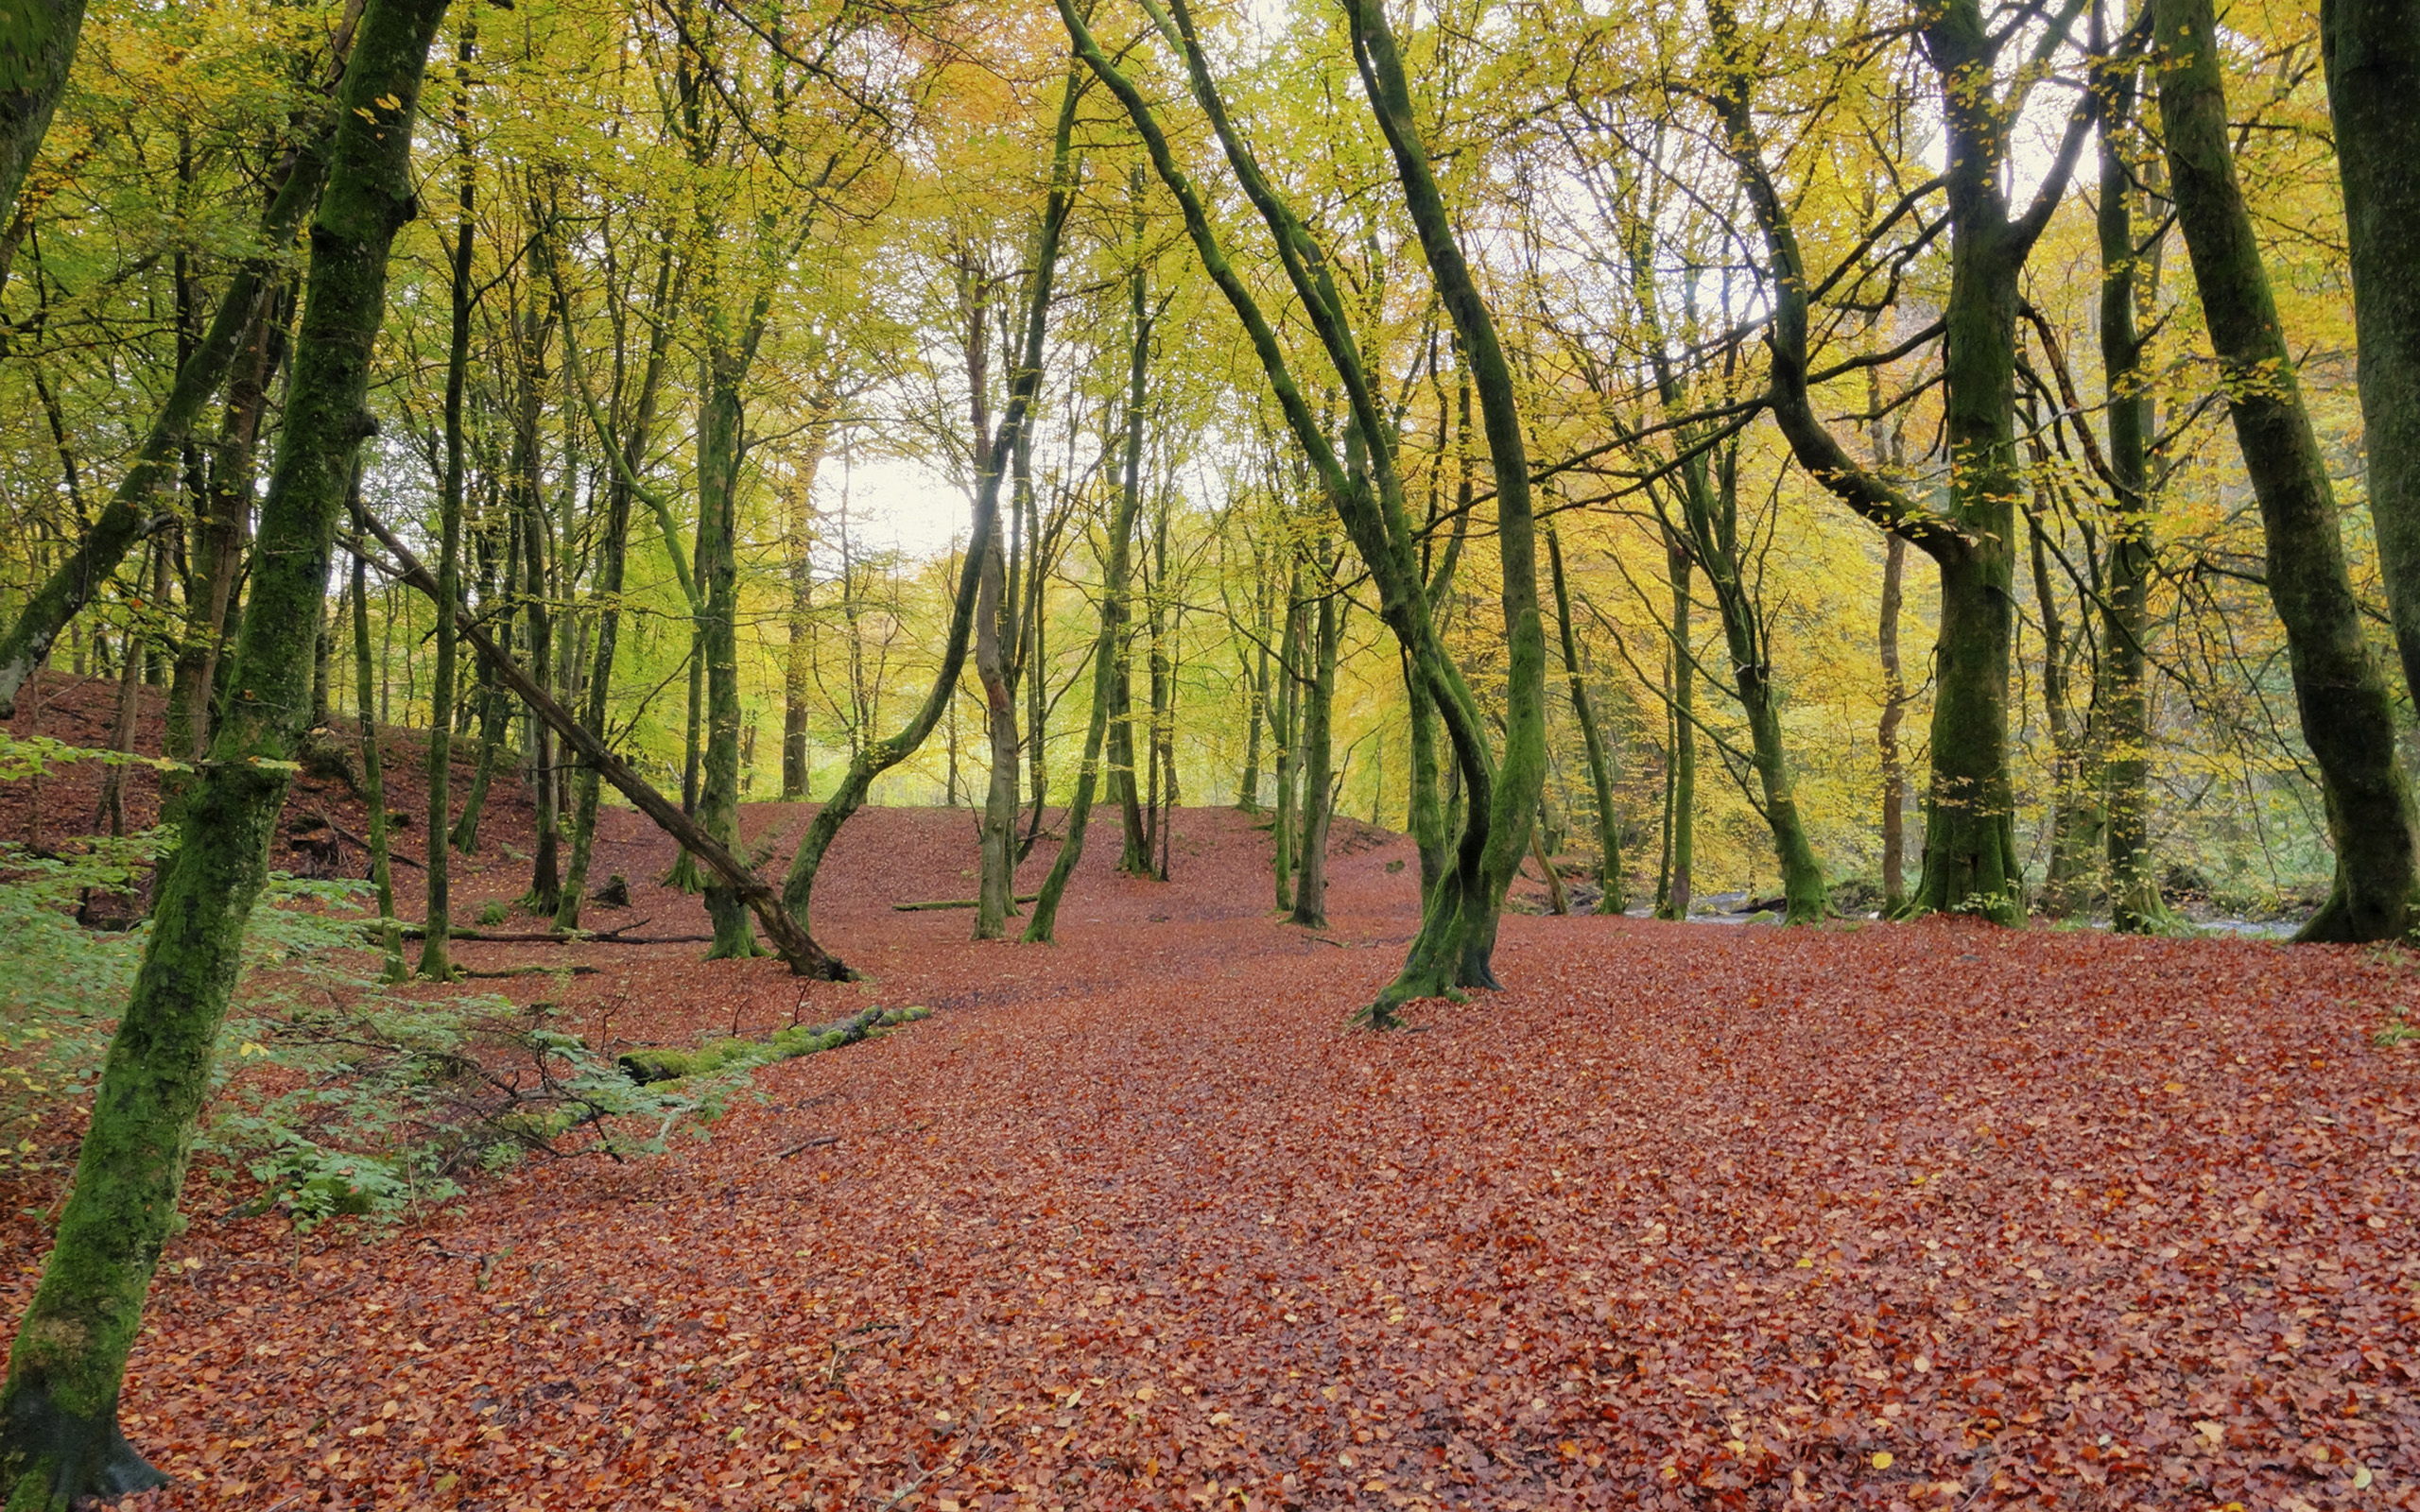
(1930, 1216)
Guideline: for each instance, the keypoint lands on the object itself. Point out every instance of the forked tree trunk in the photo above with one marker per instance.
(58, 1430)
(2348, 713)
(878, 756)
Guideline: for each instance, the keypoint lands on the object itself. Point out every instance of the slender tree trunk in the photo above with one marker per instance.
(2371, 51)
(798, 662)
(1288, 730)
(1255, 695)
(58, 1434)
(538, 549)
(1672, 900)
(1894, 707)
(434, 958)
(2134, 902)
(1611, 899)
(1135, 858)
(495, 709)
(1319, 798)
(374, 772)
(2067, 885)
(2348, 713)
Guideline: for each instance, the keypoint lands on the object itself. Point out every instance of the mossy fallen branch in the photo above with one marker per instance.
(662, 1063)
(937, 903)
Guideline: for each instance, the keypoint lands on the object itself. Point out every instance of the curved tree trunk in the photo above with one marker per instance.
(58, 1434)
(2348, 713)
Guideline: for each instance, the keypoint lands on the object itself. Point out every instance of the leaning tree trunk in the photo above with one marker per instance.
(2347, 712)
(129, 517)
(35, 61)
(1113, 572)
(2371, 51)
(58, 1434)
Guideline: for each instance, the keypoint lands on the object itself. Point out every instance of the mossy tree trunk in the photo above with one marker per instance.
(435, 959)
(2347, 712)
(2372, 52)
(1319, 750)
(1457, 935)
(1286, 729)
(994, 629)
(2129, 267)
(36, 53)
(216, 548)
(719, 438)
(612, 561)
(1135, 853)
(58, 1433)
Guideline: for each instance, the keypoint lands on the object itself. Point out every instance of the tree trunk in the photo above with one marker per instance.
(2371, 51)
(994, 627)
(374, 771)
(1610, 898)
(2134, 902)
(35, 61)
(1317, 742)
(1287, 730)
(719, 422)
(2068, 883)
(495, 709)
(1894, 701)
(1134, 857)
(526, 498)
(435, 960)
(612, 561)
(798, 662)
(58, 1434)
(874, 757)
(2348, 713)
(1255, 695)
(1681, 779)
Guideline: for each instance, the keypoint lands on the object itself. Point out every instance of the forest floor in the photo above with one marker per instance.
(1932, 1215)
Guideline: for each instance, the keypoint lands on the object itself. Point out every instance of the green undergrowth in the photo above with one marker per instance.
(658, 1066)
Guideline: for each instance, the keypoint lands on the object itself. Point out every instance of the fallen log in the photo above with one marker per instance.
(649, 1064)
(938, 904)
(789, 937)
